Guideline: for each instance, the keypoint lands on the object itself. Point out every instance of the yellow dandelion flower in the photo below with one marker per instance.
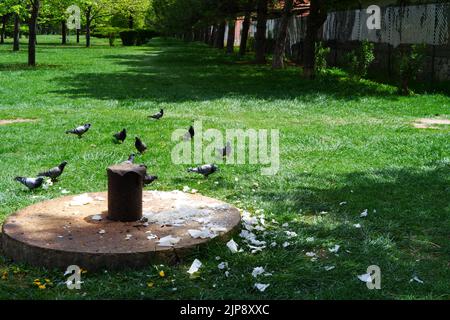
(150, 284)
(83, 270)
(162, 274)
(47, 280)
(42, 286)
(36, 280)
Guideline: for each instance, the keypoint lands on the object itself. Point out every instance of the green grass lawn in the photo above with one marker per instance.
(341, 141)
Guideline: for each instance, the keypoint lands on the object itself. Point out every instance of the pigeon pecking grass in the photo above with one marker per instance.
(205, 170)
(158, 115)
(30, 183)
(55, 172)
(79, 131)
(121, 136)
(140, 146)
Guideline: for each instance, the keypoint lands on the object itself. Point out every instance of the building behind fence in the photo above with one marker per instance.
(400, 26)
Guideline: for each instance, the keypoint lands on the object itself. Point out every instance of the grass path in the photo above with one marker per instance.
(340, 141)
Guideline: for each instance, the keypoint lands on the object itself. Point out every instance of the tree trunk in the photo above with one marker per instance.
(63, 32)
(261, 27)
(207, 34)
(32, 25)
(212, 39)
(2, 32)
(230, 38)
(88, 27)
(220, 37)
(316, 18)
(245, 29)
(16, 33)
(78, 35)
(130, 22)
(280, 45)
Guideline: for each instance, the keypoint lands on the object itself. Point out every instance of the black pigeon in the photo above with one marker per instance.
(130, 159)
(205, 169)
(158, 115)
(140, 146)
(190, 134)
(149, 179)
(121, 136)
(30, 183)
(55, 172)
(79, 131)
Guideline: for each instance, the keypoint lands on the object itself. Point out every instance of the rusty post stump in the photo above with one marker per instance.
(125, 183)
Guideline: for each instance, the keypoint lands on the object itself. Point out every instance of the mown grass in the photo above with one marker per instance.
(340, 141)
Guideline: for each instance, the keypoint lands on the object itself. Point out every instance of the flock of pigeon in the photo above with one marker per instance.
(141, 147)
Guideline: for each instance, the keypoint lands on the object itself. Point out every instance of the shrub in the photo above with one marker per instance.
(128, 37)
(321, 57)
(410, 65)
(137, 37)
(359, 60)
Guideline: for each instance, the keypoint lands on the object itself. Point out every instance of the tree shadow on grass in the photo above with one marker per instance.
(176, 72)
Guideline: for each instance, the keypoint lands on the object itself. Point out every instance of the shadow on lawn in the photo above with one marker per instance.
(194, 72)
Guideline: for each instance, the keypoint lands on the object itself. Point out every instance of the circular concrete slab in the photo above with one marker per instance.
(67, 231)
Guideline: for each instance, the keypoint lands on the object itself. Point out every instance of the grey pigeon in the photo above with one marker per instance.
(140, 146)
(79, 131)
(121, 136)
(55, 172)
(149, 179)
(30, 183)
(205, 169)
(130, 159)
(158, 115)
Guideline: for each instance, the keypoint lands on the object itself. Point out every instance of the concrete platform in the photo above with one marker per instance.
(66, 231)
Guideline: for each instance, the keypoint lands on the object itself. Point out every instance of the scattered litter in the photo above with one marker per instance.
(261, 287)
(128, 237)
(335, 249)
(194, 267)
(186, 189)
(151, 236)
(343, 203)
(285, 225)
(223, 265)
(168, 241)
(310, 239)
(227, 273)
(97, 217)
(286, 244)
(232, 246)
(365, 277)
(257, 271)
(310, 254)
(364, 213)
(256, 249)
(416, 279)
(101, 231)
(290, 234)
(357, 225)
(217, 258)
(64, 191)
(98, 198)
(323, 212)
(193, 191)
(81, 200)
(203, 234)
(273, 244)
(47, 183)
(329, 268)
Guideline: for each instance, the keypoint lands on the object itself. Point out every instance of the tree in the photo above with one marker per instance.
(246, 26)
(131, 9)
(94, 9)
(261, 27)
(231, 35)
(280, 45)
(55, 10)
(32, 25)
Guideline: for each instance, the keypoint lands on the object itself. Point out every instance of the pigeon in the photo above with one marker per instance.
(158, 115)
(55, 172)
(130, 159)
(225, 151)
(30, 183)
(205, 170)
(190, 134)
(121, 136)
(140, 146)
(149, 179)
(79, 131)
